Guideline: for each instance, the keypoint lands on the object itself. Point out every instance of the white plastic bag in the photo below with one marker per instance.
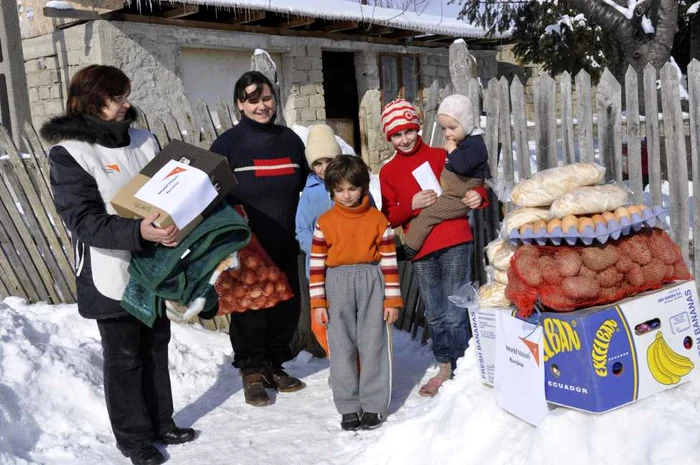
(546, 186)
(465, 296)
(521, 216)
(497, 275)
(493, 295)
(499, 253)
(589, 200)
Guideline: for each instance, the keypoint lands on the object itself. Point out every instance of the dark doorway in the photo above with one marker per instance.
(340, 91)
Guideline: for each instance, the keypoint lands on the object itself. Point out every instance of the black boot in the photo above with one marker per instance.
(350, 421)
(372, 420)
(148, 455)
(178, 435)
(278, 379)
(254, 389)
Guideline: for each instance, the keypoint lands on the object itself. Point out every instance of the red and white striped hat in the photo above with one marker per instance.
(398, 116)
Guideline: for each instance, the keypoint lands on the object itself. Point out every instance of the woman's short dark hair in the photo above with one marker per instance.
(347, 168)
(91, 88)
(249, 78)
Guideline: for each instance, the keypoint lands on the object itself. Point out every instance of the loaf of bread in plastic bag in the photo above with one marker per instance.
(546, 186)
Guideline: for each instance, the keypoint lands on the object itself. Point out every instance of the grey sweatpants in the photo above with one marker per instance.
(356, 325)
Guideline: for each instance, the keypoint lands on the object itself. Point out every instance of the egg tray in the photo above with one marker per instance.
(649, 218)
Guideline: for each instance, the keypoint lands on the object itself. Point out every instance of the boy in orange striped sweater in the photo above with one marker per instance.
(354, 287)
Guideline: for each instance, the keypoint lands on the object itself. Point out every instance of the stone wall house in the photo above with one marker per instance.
(338, 67)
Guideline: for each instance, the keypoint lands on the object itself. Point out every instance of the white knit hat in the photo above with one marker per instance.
(460, 108)
(321, 143)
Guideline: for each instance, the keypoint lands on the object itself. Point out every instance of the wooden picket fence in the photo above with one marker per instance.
(36, 260)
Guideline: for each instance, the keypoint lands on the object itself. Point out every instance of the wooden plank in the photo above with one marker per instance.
(492, 106)
(567, 119)
(208, 131)
(172, 127)
(545, 121)
(474, 94)
(694, 110)
(430, 123)
(247, 17)
(676, 156)
(191, 134)
(263, 62)
(38, 151)
(160, 131)
(340, 26)
(14, 276)
(26, 273)
(180, 12)
(651, 110)
(608, 109)
(634, 146)
(225, 119)
(4, 292)
(32, 165)
(506, 156)
(375, 30)
(584, 116)
(522, 149)
(45, 236)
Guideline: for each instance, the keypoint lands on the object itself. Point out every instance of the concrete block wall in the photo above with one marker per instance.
(50, 61)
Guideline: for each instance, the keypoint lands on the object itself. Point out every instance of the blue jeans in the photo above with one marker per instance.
(439, 275)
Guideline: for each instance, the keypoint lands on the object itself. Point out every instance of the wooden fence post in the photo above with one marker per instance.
(584, 115)
(522, 148)
(694, 101)
(608, 104)
(567, 119)
(546, 121)
(634, 146)
(674, 136)
(651, 108)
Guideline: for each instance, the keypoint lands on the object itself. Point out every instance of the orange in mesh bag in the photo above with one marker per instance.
(565, 278)
(256, 284)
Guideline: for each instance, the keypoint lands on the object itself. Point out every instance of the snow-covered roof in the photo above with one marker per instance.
(350, 11)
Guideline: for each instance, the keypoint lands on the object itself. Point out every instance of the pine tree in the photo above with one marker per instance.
(570, 35)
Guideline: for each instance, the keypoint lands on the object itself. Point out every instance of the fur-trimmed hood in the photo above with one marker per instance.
(84, 128)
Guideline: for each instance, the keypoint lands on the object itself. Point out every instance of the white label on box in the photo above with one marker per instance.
(426, 178)
(179, 189)
(679, 322)
(483, 321)
(520, 369)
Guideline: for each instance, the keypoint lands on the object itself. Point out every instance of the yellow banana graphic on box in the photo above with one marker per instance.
(665, 365)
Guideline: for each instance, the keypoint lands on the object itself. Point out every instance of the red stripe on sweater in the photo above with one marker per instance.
(268, 164)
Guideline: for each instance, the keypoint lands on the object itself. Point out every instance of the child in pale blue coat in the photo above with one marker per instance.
(321, 148)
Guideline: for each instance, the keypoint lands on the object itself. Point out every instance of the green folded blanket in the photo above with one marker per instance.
(182, 273)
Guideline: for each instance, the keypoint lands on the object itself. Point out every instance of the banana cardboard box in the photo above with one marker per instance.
(604, 357)
(483, 322)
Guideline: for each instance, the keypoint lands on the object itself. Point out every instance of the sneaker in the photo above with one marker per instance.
(277, 378)
(409, 252)
(350, 421)
(371, 420)
(254, 390)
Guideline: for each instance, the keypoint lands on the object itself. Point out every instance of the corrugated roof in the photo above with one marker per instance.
(350, 11)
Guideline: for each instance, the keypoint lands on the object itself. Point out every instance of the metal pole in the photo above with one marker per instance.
(14, 97)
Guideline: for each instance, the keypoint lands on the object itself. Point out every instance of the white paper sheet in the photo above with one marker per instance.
(426, 178)
(519, 380)
(179, 189)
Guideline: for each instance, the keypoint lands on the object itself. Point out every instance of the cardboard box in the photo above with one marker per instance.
(604, 357)
(182, 183)
(483, 322)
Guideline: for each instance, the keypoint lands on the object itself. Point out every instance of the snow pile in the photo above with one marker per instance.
(566, 21)
(693, 8)
(58, 5)
(52, 410)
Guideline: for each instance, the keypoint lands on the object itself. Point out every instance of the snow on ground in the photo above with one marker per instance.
(52, 410)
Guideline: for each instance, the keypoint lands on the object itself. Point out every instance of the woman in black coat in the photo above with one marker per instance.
(96, 153)
(269, 163)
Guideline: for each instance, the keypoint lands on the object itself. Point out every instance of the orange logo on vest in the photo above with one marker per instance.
(114, 168)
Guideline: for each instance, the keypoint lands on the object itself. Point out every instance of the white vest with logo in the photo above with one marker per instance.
(112, 168)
